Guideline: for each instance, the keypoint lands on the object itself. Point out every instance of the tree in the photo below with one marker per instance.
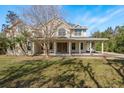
(10, 30)
(16, 33)
(23, 37)
(119, 39)
(116, 39)
(44, 21)
(3, 43)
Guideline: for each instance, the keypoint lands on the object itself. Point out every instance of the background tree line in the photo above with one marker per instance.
(116, 39)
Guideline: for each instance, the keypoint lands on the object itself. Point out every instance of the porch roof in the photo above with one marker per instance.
(83, 38)
(78, 39)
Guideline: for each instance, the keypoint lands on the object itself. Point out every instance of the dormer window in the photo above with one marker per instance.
(62, 32)
(78, 32)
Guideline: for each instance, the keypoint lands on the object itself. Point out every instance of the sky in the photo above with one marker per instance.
(95, 17)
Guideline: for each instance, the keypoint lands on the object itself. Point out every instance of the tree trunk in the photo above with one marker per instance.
(46, 50)
(20, 44)
(13, 50)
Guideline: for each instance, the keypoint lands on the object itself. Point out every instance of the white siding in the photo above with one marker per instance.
(68, 30)
(83, 34)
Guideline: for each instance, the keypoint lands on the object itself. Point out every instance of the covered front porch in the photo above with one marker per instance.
(75, 48)
(72, 47)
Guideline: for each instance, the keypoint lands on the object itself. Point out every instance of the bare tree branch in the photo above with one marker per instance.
(44, 21)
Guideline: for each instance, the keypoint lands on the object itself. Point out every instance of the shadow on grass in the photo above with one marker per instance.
(117, 65)
(29, 74)
(23, 69)
(88, 68)
(67, 61)
(69, 78)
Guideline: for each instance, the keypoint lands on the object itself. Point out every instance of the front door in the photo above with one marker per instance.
(62, 47)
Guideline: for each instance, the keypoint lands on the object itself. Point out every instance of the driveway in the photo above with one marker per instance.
(113, 55)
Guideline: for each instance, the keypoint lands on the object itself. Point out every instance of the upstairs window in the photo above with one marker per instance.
(62, 32)
(78, 32)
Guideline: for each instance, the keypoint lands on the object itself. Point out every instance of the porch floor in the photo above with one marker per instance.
(77, 54)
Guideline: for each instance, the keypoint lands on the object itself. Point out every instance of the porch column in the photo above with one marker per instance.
(79, 47)
(102, 47)
(48, 48)
(33, 48)
(90, 47)
(69, 48)
(55, 48)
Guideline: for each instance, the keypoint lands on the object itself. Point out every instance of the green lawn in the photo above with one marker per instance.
(61, 72)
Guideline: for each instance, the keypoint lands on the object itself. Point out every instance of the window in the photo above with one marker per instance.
(84, 30)
(81, 46)
(78, 32)
(29, 45)
(51, 45)
(62, 32)
(73, 46)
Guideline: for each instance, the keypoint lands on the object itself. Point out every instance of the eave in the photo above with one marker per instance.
(75, 39)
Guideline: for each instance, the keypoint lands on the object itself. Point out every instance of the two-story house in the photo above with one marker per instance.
(69, 39)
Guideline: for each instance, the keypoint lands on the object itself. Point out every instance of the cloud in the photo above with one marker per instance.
(96, 17)
(86, 16)
(109, 15)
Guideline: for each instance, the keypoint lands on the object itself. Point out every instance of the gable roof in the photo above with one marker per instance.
(72, 26)
(75, 26)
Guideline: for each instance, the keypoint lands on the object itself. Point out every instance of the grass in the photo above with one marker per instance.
(61, 72)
